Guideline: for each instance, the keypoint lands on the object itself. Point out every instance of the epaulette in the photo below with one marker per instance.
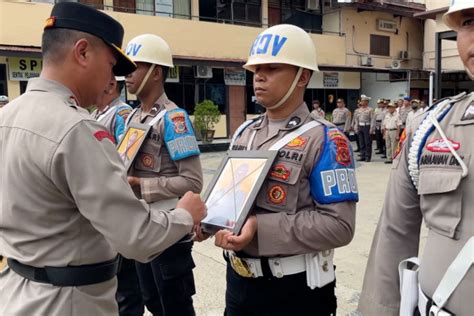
(238, 132)
(437, 111)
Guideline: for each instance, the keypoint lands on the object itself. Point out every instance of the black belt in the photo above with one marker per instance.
(68, 276)
(339, 124)
(391, 129)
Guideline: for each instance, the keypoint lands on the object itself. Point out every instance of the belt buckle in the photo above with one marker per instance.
(240, 266)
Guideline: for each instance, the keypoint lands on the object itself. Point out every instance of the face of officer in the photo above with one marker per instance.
(340, 103)
(465, 40)
(364, 103)
(391, 109)
(271, 82)
(134, 80)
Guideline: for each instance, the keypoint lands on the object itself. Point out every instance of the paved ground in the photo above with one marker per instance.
(350, 260)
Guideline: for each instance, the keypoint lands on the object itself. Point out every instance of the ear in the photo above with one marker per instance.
(81, 51)
(111, 87)
(304, 78)
(157, 73)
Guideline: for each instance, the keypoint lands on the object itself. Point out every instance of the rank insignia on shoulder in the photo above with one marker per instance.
(469, 114)
(332, 179)
(294, 121)
(179, 135)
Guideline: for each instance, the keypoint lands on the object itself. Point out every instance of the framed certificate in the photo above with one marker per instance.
(232, 192)
(131, 142)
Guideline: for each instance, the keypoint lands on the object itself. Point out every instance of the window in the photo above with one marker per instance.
(243, 12)
(296, 12)
(379, 45)
(169, 8)
(3, 80)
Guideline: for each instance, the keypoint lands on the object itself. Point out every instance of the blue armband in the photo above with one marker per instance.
(333, 178)
(179, 135)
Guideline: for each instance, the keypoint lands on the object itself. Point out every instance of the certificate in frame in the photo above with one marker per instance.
(232, 192)
(131, 142)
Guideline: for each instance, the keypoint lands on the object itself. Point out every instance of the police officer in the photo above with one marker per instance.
(391, 130)
(341, 117)
(432, 181)
(67, 207)
(379, 114)
(3, 101)
(354, 127)
(365, 127)
(111, 111)
(403, 110)
(415, 110)
(281, 263)
(166, 167)
(317, 111)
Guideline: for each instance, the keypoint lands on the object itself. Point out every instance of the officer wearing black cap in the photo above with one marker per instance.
(66, 205)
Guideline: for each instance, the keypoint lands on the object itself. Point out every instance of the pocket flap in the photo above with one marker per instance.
(434, 181)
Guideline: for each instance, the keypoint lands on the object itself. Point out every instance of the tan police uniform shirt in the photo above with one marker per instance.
(444, 200)
(379, 114)
(160, 177)
(355, 119)
(319, 113)
(403, 112)
(66, 201)
(289, 221)
(366, 117)
(391, 121)
(341, 117)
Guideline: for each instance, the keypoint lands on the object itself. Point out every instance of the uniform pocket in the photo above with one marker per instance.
(440, 199)
(280, 190)
(148, 158)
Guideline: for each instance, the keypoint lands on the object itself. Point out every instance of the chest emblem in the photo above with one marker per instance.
(298, 142)
(148, 161)
(281, 172)
(440, 146)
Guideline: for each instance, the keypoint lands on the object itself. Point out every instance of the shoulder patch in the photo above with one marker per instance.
(333, 179)
(124, 113)
(179, 135)
(100, 135)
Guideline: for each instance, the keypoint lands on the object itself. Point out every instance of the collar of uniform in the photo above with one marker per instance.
(299, 116)
(41, 84)
(115, 102)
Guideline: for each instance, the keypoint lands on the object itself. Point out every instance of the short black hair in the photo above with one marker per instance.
(54, 41)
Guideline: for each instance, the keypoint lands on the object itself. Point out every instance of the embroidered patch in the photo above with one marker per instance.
(439, 145)
(298, 142)
(343, 153)
(100, 135)
(295, 120)
(124, 113)
(148, 161)
(281, 172)
(469, 114)
(276, 194)
(401, 142)
(179, 123)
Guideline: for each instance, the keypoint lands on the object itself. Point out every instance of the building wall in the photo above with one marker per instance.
(358, 27)
(377, 86)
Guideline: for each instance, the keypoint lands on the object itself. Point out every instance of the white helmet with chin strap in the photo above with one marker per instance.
(453, 18)
(152, 49)
(283, 44)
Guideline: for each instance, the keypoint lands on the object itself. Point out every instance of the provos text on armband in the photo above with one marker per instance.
(343, 180)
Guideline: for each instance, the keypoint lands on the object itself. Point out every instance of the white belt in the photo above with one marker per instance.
(364, 124)
(165, 205)
(423, 304)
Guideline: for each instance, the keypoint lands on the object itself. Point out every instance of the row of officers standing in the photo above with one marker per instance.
(386, 123)
(68, 205)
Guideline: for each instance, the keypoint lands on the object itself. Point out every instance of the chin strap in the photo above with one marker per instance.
(145, 79)
(290, 91)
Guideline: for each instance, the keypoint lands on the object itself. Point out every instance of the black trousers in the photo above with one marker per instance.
(365, 142)
(379, 140)
(167, 282)
(270, 296)
(128, 296)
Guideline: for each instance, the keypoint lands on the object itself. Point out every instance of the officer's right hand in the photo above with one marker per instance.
(192, 203)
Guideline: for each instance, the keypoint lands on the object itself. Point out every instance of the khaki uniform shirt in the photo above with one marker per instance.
(65, 200)
(444, 200)
(341, 117)
(319, 113)
(391, 121)
(354, 120)
(289, 221)
(365, 116)
(403, 112)
(379, 114)
(160, 177)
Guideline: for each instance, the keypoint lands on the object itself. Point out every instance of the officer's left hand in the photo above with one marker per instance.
(133, 181)
(227, 240)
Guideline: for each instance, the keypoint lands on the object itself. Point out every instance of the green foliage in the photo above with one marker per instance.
(206, 115)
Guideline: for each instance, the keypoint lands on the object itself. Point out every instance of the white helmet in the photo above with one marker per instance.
(452, 18)
(150, 48)
(283, 44)
(3, 98)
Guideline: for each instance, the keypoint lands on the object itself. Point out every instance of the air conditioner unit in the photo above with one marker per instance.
(387, 26)
(403, 55)
(312, 4)
(366, 60)
(395, 64)
(203, 71)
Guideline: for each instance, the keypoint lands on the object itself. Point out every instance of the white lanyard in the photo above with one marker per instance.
(288, 138)
(103, 115)
(152, 122)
